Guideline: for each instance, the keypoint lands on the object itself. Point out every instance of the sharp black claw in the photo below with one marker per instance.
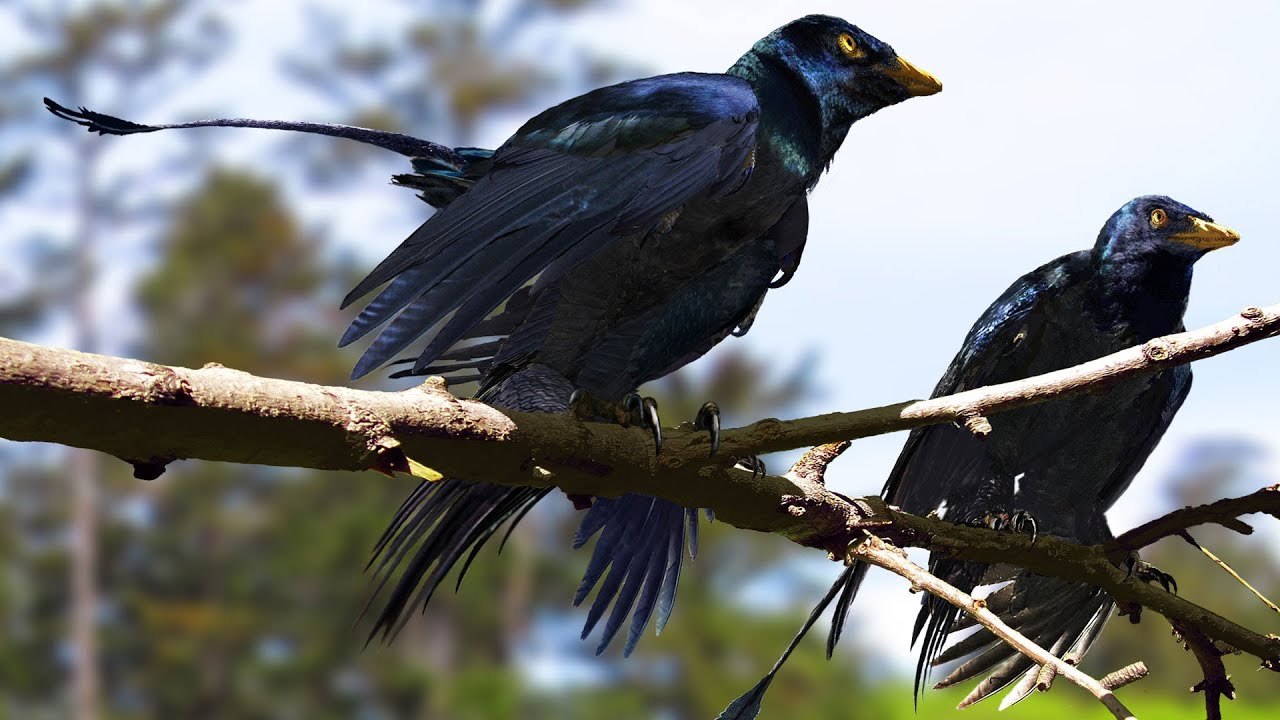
(1130, 565)
(655, 425)
(754, 464)
(1019, 521)
(709, 419)
(643, 412)
(1146, 572)
(633, 404)
(1023, 522)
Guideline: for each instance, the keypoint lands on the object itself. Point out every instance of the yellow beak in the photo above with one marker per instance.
(1205, 235)
(915, 81)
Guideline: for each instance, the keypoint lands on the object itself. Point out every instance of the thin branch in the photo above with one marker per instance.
(1228, 569)
(1048, 555)
(878, 553)
(969, 407)
(1223, 512)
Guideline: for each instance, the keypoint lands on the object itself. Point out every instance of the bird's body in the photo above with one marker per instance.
(612, 239)
(648, 296)
(1048, 320)
(1066, 462)
(1063, 463)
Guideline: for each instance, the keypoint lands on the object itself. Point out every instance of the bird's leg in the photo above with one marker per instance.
(634, 410)
(752, 463)
(589, 408)
(1135, 566)
(708, 419)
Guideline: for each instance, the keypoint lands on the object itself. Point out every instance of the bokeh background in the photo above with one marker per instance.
(223, 591)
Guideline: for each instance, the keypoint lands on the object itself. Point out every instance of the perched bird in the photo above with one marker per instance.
(724, 213)
(612, 239)
(1062, 464)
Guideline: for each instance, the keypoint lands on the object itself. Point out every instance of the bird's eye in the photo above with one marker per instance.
(849, 47)
(1158, 218)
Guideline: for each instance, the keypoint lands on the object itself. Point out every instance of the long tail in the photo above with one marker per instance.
(747, 705)
(1060, 616)
(395, 142)
(439, 523)
(642, 539)
(642, 544)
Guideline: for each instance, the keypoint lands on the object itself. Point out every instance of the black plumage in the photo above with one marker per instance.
(612, 239)
(1064, 462)
(658, 294)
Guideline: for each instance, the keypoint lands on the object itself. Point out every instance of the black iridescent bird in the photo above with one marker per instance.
(1062, 463)
(612, 239)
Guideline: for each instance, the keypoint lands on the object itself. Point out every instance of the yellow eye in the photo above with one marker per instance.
(849, 47)
(1158, 218)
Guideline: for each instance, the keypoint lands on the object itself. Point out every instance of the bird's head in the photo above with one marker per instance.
(849, 72)
(1154, 226)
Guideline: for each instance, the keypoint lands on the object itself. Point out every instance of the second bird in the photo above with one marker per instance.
(1056, 466)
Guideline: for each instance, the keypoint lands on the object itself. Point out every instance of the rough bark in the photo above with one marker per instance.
(153, 414)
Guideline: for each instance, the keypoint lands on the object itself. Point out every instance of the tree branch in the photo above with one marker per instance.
(152, 414)
(1223, 512)
(875, 552)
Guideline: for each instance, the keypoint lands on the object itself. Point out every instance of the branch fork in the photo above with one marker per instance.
(152, 415)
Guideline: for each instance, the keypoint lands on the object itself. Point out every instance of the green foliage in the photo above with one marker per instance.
(240, 284)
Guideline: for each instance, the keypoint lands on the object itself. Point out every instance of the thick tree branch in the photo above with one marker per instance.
(152, 414)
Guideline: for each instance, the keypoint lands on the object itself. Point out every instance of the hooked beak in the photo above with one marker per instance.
(915, 81)
(1205, 235)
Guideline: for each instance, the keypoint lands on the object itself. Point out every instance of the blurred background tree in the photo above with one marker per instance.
(228, 591)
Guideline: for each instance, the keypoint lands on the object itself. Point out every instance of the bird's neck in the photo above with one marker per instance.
(1145, 293)
(791, 136)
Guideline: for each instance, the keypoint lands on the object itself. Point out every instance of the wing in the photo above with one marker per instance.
(1175, 385)
(576, 178)
(720, 302)
(641, 544)
(943, 459)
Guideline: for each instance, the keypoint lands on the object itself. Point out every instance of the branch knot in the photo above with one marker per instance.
(1157, 350)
